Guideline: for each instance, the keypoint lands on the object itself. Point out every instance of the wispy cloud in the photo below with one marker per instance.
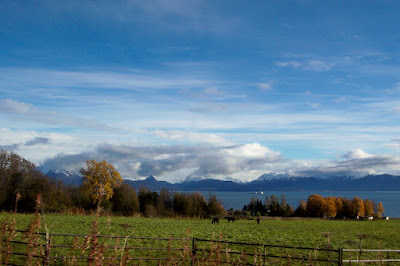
(36, 141)
(28, 112)
(191, 137)
(294, 64)
(265, 86)
(127, 80)
(32, 142)
(175, 15)
(395, 89)
(16, 107)
(309, 65)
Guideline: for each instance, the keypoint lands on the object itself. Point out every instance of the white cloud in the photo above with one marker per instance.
(10, 106)
(134, 167)
(213, 91)
(341, 100)
(356, 154)
(192, 137)
(310, 65)
(294, 64)
(130, 79)
(28, 112)
(314, 105)
(356, 163)
(395, 89)
(317, 65)
(265, 86)
(253, 150)
(37, 146)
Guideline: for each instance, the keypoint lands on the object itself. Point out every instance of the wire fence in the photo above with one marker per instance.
(27, 248)
(377, 256)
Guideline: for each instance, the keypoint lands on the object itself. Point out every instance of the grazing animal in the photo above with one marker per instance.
(230, 219)
(215, 220)
(258, 220)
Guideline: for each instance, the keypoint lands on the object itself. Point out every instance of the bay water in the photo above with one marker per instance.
(236, 200)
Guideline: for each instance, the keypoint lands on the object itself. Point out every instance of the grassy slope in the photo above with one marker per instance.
(306, 233)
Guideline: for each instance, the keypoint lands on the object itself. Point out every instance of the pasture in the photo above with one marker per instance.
(313, 233)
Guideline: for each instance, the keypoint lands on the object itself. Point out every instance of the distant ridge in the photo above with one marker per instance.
(67, 177)
(265, 182)
(281, 183)
(151, 183)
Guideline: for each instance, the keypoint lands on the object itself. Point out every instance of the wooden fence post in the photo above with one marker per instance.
(47, 249)
(126, 251)
(265, 254)
(340, 257)
(194, 248)
(387, 257)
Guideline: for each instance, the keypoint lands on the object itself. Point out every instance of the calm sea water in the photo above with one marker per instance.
(236, 200)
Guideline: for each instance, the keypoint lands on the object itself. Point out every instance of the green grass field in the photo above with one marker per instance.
(293, 232)
(307, 233)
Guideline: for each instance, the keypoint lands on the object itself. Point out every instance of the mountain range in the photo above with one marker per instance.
(67, 177)
(271, 182)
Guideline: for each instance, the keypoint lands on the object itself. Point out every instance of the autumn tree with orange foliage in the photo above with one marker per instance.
(315, 205)
(330, 207)
(358, 206)
(369, 208)
(380, 210)
(99, 180)
(347, 208)
(339, 206)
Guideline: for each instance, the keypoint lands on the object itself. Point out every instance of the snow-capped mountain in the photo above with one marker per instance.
(198, 178)
(67, 177)
(193, 178)
(234, 180)
(64, 172)
(273, 176)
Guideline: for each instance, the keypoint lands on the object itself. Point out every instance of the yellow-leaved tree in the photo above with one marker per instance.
(358, 206)
(330, 208)
(379, 210)
(99, 180)
(369, 207)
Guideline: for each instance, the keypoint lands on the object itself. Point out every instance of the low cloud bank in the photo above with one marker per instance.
(165, 160)
(243, 162)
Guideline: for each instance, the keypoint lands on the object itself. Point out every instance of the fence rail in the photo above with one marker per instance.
(53, 248)
(365, 252)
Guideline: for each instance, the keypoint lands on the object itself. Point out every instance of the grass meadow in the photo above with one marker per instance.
(313, 233)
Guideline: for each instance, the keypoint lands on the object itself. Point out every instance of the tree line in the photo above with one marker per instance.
(339, 207)
(21, 182)
(316, 206)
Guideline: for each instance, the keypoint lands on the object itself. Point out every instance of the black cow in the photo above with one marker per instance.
(230, 219)
(215, 220)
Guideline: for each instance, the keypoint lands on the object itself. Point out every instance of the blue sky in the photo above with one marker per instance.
(216, 89)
